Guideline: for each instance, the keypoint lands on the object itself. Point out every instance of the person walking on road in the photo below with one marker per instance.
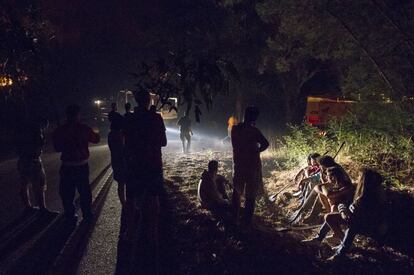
(248, 142)
(29, 141)
(72, 140)
(185, 132)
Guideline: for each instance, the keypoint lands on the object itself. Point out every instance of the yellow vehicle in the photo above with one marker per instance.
(319, 109)
(167, 113)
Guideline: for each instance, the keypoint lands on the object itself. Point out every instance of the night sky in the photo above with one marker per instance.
(98, 44)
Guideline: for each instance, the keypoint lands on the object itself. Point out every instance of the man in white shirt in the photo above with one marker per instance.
(211, 190)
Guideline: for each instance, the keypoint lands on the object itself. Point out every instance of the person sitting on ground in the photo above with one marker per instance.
(211, 190)
(326, 162)
(338, 191)
(310, 170)
(365, 215)
(313, 200)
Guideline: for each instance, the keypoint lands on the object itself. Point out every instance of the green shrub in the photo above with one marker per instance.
(302, 140)
(377, 135)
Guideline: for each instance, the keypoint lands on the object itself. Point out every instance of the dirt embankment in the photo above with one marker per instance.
(201, 246)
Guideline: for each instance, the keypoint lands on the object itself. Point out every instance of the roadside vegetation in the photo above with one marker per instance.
(377, 135)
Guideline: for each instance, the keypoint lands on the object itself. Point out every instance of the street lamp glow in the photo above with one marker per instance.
(5, 81)
(98, 102)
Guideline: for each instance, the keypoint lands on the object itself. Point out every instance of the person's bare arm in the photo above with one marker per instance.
(299, 175)
(263, 143)
(321, 189)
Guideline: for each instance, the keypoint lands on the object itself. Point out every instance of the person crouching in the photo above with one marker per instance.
(212, 192)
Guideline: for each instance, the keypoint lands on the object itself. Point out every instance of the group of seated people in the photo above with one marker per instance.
(323, 187)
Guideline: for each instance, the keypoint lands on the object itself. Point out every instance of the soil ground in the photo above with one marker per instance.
(193, 242)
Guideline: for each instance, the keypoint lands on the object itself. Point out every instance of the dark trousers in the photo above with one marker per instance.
(323, 231)
(357, 226)
(74, 178)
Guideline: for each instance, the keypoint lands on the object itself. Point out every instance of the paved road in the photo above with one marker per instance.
(10, 203)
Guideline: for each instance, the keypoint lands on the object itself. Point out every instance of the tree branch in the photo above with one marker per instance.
(365, 50)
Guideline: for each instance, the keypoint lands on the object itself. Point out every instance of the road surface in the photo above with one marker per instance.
(11, 205)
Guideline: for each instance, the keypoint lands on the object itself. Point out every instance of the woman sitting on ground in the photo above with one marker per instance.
(337, 191)
(327, 162)
(365, 215)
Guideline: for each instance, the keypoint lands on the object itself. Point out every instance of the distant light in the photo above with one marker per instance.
(98, 102)
(23, 78)
(5, 81)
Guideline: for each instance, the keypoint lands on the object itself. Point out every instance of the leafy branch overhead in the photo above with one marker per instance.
(24, 37)
(194, 79)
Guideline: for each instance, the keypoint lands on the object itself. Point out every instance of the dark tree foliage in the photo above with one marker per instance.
(367, 45)
(24, 39)
(191, 64)
(383, 32)
(368, 42)
(23, 36)
(193, 79)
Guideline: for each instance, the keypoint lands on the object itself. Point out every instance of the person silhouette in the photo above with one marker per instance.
(116, 144)
(72, 140)
(212, 193)
(127, 110)
(185, 132)
(29, 141)
(145, 134)
(248, 142)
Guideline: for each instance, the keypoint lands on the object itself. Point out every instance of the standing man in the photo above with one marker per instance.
(72, 140)
(113, 113)
(116, 143)
(145, 135)
(29, 142)
(185, 132)
(127, 110)
(248, 142)
(230, 123)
